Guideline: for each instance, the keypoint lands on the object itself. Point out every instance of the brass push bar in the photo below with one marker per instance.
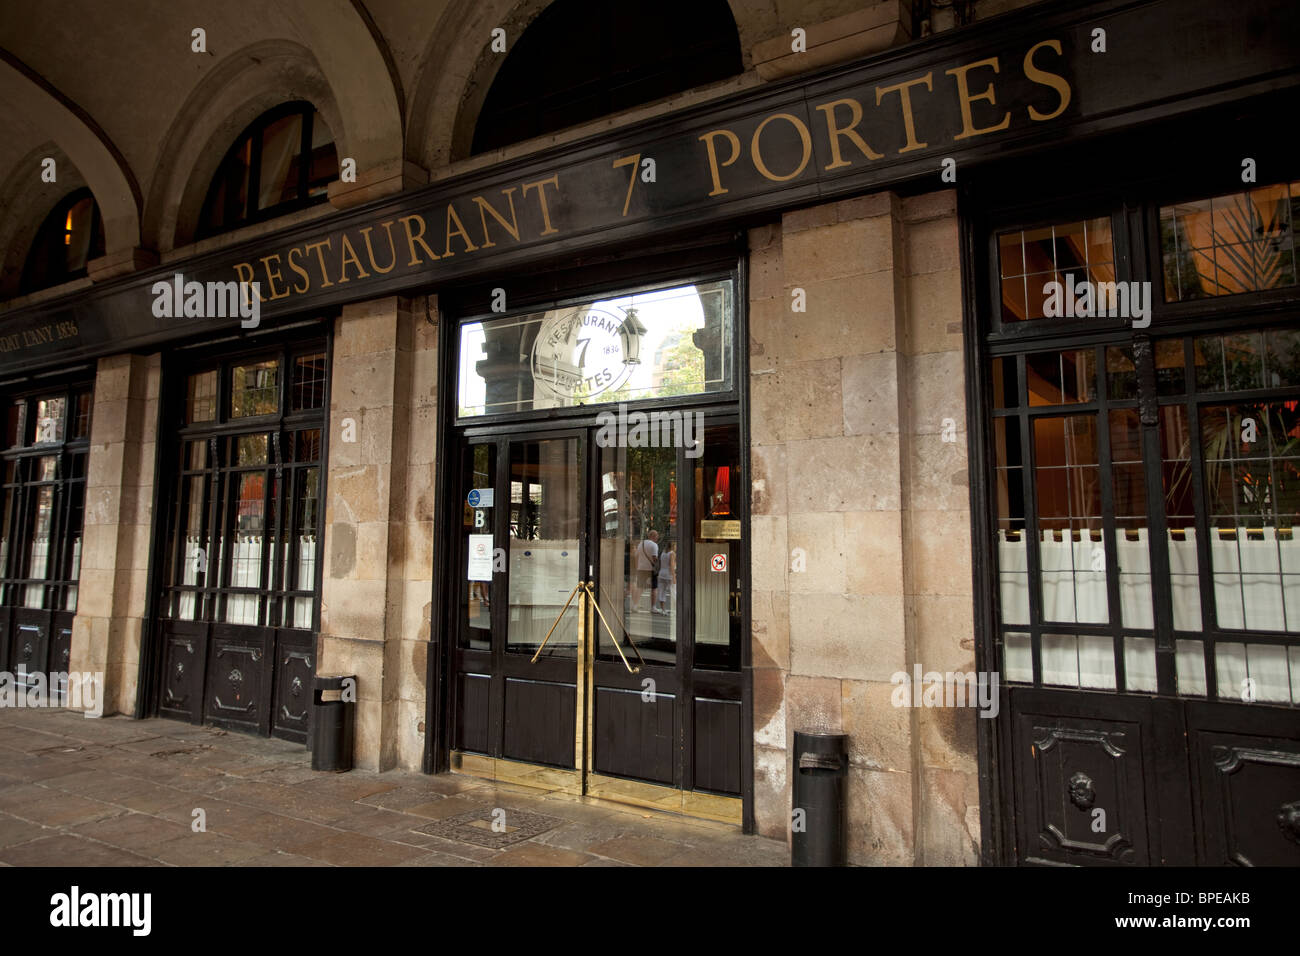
(596, 604)
(622, 624)
(576, 588)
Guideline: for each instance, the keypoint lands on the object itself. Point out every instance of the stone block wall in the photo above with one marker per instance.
(376, 591)
(120, 497)
(861, 524)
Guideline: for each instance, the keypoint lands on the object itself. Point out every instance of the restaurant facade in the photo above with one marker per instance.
(615, 392)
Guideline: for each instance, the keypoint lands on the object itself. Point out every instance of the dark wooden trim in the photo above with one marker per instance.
(149, 667)
(741, 366)
(441, 664)
(992, 798)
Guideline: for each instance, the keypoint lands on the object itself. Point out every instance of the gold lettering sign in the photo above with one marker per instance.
(48, 334)
(869, 124)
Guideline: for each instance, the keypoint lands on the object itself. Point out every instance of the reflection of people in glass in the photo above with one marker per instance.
(647, 555)
(666, 596)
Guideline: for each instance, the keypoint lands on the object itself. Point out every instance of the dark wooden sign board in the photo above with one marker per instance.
(1006, 87)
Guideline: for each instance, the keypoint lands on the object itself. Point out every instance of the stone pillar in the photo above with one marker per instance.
(939, 541)
(118, 518)
(838, 600)
(376, 591)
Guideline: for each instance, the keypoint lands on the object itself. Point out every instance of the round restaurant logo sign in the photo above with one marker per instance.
(581, 353)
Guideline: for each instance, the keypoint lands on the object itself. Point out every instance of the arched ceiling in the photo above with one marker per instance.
(392, 75)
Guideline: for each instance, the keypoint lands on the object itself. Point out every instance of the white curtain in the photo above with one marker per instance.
(712, 625)
(1256, 587)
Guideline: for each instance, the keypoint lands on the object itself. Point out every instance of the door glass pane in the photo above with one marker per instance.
(201, 397)
(716, 550)
(1132, 543)
(76, 494)
(306, 500)
(246, 559)
(1140, 664)
(309, 381)
(1013, 566)
(638, 552)
(1253, 672)
(1189, 665)
(193, 559)
(38, 555)
(255, 389)
(546, 523)
(478, 483)
(1017, 658)
(1061, 378)
(10, 489)
(1071, 546)
(81, 415)
(1180, 517)
(1251, 457)
(49, 420)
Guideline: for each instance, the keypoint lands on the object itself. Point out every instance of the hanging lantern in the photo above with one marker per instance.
(630, 332)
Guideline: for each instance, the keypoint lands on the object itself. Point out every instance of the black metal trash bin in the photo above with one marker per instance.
(821, 767)
(332, 723)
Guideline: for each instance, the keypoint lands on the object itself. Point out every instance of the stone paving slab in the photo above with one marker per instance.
(120, 792)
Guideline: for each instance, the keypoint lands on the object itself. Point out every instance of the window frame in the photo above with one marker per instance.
(44, 236)
(255, 132)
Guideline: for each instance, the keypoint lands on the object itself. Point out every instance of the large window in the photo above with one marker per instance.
(44, 460)
(282, 162)
(243, 540)
(71, 235)
(1146, 484)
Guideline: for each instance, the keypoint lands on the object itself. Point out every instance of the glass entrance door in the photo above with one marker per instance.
(599, 618)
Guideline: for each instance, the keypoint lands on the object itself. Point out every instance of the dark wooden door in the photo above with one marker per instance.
(1106, 780)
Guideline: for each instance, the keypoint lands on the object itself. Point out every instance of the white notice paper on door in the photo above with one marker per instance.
(480, 557)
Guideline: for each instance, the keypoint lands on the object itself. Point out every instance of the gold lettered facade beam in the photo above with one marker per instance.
(985, 92)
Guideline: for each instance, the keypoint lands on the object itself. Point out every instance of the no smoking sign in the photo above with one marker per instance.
(719, 562)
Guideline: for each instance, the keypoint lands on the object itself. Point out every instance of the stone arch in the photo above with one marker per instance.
(25, 202)
(457, 69)
(84, 146)
(241, 88)
(365, 82)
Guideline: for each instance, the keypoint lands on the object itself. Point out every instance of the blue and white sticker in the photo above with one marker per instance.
(480, 498)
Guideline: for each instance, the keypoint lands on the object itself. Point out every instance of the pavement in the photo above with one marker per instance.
(119, 792)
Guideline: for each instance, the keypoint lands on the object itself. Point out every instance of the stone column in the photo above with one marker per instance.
(118, 518)
(840, 465)
(376, 589)
(939, 542)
